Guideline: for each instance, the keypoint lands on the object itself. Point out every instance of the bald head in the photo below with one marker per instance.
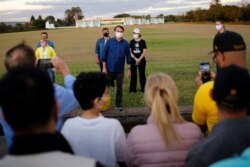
(20, 55)
(237, 58)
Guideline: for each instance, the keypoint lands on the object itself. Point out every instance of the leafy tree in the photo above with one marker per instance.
(199, 14)
(72, 14)
(215, 12)
(32, 19)
(51, 19)
(122, 15)
(216, 2)
(60, 22)
(232, 13)
(246, 12)
(160, 16)
(148, 16)
(169, 18)
(190, 15)
(3, 27)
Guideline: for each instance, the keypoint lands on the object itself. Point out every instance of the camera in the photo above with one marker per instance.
(205, 72)
(44, 63)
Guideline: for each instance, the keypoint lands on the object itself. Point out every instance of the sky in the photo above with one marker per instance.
(22, 10)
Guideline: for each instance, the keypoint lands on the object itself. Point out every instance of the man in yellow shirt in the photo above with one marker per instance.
(43, 55)
(205, 110)
(228, 48)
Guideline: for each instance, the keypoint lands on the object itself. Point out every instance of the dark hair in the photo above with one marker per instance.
(105, 28)
(26, 97)
(45, 33)
(20, 55)
(119, 26)
(231, 88)
(89, 86)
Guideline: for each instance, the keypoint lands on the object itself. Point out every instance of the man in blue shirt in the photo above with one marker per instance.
(44, 36)
(23, 55)
(100, 44)
(115, 52)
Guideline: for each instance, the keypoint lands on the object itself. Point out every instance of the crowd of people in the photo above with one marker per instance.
(33, 133)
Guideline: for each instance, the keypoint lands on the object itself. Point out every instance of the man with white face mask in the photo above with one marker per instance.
(115, 52)
(138, 50)
(220, 27)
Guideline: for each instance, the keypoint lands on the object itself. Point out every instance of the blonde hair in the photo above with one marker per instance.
(161, 97)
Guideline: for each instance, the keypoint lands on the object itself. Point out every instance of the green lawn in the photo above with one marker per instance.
(176, 49)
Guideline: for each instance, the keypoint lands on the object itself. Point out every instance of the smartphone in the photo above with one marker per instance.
(205, 72)
(44, 63)
(205, 67)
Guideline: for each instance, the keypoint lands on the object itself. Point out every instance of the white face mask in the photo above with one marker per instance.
(218, 27)
(135, 36)
(118, 34)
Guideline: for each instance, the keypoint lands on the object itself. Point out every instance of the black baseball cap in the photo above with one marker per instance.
(232, 87)
(228, 41)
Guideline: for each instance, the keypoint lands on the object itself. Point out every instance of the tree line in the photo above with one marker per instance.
(216, 11)
(227, 13)
(70, 15)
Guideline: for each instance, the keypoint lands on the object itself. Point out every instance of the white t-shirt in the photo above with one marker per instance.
(47, 159)
(100, 138)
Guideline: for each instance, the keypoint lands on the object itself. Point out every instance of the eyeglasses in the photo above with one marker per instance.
(215, 56)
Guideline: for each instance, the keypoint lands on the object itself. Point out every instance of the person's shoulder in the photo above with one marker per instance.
(39, 48)
(49, 159)
(99, 39)
(49, 41)
(188, 125)
(138, 129)
(70, 159)
(188, 129)
(51, 48)
(71, 121)
(111, 121)
(208, 86)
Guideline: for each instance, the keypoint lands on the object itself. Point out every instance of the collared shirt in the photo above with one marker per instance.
(39, 143)
(44, 150)
(115, 53)
(99, 48)
(50, 43)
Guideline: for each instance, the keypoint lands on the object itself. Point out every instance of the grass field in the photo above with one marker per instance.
(176, 49)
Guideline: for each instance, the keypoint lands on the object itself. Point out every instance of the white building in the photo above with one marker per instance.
(117, 21)
(49, 25)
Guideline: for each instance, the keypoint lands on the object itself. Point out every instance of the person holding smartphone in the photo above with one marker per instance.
(43, 55)
(138, 50)
(229, 48)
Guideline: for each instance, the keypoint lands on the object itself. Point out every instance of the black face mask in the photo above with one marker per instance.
(106, 34)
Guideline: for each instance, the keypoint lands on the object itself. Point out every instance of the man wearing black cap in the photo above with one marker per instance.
(231, 135)
(228, 48)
